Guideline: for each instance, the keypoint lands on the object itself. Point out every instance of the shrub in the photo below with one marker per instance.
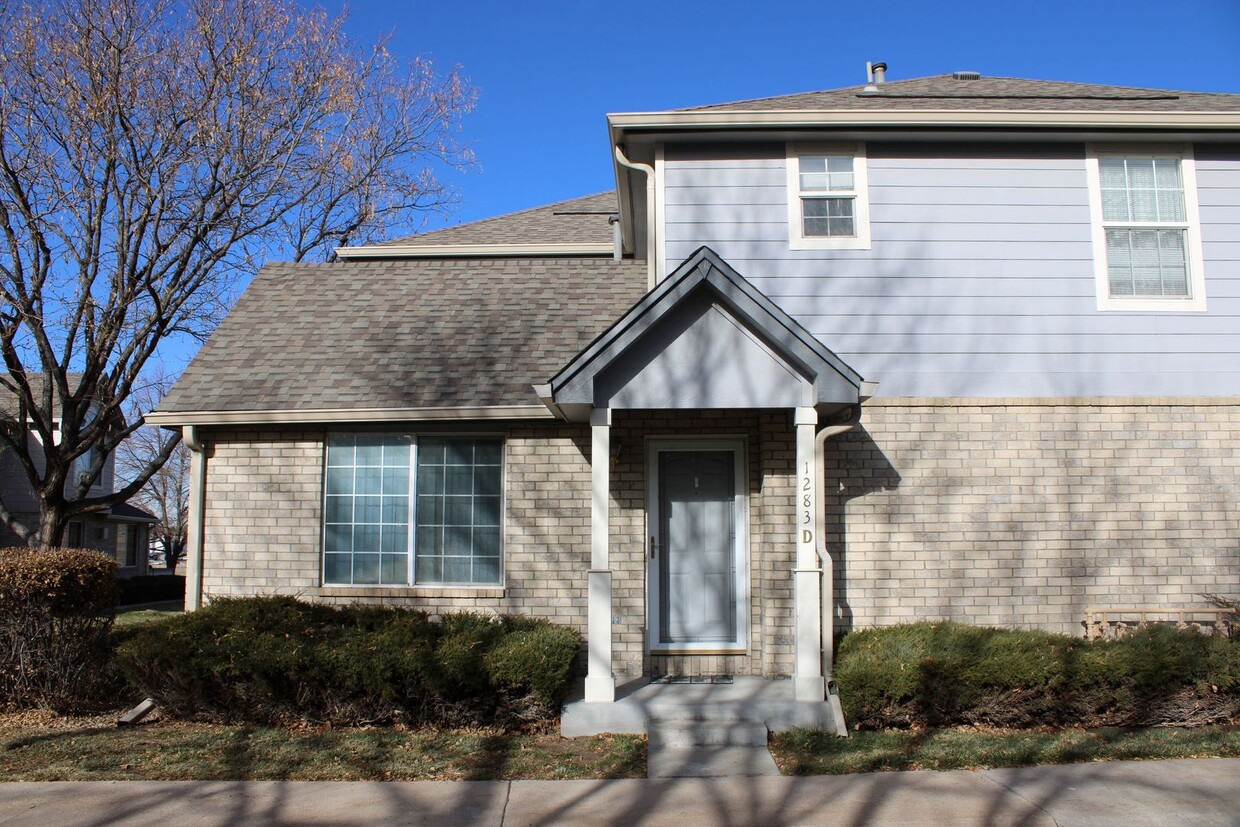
(942, 674)
(56, 609)
(537, 659)
(152, 588)
(274, 659)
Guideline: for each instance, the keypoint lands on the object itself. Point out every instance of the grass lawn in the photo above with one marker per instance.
(149, 613)
(801, 752)
(43, 748)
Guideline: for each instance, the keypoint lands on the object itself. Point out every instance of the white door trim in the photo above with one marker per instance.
(738, 445)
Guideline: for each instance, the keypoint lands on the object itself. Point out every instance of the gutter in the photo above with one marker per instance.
(722, 118)
(651, 250)
(197, 514)
(474, 250)
(328, 415)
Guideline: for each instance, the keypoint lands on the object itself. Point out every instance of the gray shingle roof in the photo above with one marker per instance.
(580, 220)
(991, 93)
(404, 333)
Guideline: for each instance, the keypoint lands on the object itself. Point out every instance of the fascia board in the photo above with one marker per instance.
(620, 122)
(473, 250)
(316, 416)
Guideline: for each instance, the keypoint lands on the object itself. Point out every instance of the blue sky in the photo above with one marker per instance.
(547, 73)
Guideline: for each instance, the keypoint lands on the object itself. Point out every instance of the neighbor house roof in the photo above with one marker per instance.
(989, 93)
(577, 226)
(402, 335)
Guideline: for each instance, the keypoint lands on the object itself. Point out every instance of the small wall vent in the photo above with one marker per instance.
(967, 75)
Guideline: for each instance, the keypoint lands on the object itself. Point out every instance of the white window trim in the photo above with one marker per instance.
(411, 581)
(861, 185)
(1196, 299)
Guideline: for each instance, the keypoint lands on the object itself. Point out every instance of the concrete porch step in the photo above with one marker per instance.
(675, 734)
(710, 762)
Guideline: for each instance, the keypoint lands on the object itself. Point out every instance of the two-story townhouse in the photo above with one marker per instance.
(123, 531)
(955, 347)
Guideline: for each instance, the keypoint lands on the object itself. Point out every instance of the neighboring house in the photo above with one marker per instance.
(122, 531)
(970, 344)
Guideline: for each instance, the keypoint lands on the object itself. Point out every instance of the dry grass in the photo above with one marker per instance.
(43, 747)
(801, 752)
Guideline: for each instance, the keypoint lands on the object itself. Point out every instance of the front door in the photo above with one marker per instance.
(695, 561)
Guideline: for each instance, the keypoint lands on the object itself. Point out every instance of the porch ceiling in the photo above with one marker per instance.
(703, 338)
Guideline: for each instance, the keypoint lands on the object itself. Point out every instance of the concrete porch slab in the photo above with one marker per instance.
(745, 700)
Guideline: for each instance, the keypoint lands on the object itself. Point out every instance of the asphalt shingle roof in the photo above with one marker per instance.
(407, 333)
(577, 221)
(991, 93)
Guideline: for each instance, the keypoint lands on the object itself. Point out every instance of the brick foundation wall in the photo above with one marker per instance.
(1020, 513)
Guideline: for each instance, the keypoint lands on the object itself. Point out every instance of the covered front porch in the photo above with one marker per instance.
(709, 409)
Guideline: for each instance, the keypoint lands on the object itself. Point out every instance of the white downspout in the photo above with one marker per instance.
(197, 509)
(824, 557)
(651, 248)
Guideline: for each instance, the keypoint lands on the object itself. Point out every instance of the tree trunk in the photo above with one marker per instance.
(53, 520)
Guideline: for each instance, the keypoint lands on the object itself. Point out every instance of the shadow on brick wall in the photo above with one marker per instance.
(856, 466)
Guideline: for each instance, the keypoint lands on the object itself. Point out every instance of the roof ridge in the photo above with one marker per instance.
(502, 216)
(893, 90)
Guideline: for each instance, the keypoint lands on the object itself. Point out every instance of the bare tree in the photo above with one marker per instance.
(166, 493)
(152, 153)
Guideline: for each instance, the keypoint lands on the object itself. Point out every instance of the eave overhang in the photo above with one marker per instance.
(472, 250)
(299, 416)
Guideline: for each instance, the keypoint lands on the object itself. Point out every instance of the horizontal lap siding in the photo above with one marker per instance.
(980, 279)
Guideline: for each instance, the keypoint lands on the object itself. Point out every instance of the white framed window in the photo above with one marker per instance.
(828, 197)
(1146, 228)
(401, 510)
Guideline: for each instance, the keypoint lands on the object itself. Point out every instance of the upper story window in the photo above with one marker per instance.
(402, 510)
(1147, 244)
(828, 200)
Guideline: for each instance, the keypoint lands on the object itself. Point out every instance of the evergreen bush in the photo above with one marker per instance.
(277, 659)
(945, 674)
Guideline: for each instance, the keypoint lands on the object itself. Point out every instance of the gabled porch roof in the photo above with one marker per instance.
(703, 338)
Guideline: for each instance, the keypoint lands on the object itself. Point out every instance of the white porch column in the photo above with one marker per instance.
(808, 682)
(600, 682)
(197, 509)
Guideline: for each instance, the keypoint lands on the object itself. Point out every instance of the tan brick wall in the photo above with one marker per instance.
(1023, 514)
(263, 531)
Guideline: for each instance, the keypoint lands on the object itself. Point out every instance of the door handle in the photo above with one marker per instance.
(654, 547)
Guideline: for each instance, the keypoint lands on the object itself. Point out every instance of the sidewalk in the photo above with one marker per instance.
(1133, 794)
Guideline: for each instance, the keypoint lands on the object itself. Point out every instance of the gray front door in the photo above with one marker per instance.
(697, 542)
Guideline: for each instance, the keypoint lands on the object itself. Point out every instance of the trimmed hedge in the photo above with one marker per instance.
(278, 659)
(945, 674)
(56, 610)
(152, 588)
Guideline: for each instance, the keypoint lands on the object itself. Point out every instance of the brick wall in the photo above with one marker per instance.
(263, 529)
(1022, 513)
(1000, 512)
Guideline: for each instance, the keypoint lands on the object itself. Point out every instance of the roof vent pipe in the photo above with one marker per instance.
(880, 72)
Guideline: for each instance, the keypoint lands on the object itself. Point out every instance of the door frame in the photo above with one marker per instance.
(739, 447)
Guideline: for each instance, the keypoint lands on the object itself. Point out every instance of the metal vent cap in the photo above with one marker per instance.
(967, 75)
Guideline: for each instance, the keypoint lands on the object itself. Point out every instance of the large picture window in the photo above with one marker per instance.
(405, 510)
(1145, 230)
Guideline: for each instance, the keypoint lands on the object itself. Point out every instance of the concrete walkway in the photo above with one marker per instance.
(1131, 794)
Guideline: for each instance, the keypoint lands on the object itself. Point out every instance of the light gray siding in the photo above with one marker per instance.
(980, 276)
